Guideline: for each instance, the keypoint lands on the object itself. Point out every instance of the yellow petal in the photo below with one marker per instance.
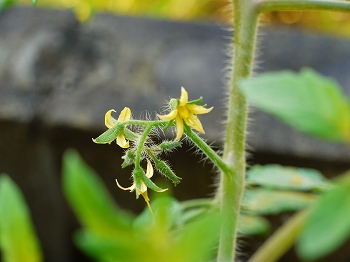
(179, 128)
(145, 196)
(142, 189)
(198, 110)
(183, 111)
(125, 115)
(169, 116)
(121, 141)
(194, 122)
(149, 172)
(183, 97)
(109, 120)
(131, 188)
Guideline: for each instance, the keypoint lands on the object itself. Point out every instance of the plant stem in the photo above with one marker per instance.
(282, 240)
(207, 150)
(232, 183)
(278, 5)
(141, 144)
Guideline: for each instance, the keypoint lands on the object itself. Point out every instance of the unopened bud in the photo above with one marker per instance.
(163, 168)
(129, 158)
(169, 145)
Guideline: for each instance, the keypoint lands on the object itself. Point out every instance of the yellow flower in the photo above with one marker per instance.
(110, 122)
(143, 188)
(187, 112)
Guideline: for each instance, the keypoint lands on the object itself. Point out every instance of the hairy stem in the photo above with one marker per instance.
(141, 144)
(232, 183)
(207, 150)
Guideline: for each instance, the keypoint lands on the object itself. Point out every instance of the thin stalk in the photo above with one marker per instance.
(278, 5)
(282, 240)
(232, 183)
(207, 150)
(141, 144)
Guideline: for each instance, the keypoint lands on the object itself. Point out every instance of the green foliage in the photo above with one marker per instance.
(328, 225)
(269, 202)
(110, 234)
(250, 225)
(18, 241)
(287, 178)
(272, 189)
(91, 202)
(307, 101)
(6, 4)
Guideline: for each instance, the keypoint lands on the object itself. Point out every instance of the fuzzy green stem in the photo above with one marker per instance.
(141, 144)
(282, 240)
(207, 150)
(153, 123)
(232, 183)
(278, 5)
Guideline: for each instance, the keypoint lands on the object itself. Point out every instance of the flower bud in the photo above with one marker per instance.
(129, 158)
(169, 145)
(164, 169)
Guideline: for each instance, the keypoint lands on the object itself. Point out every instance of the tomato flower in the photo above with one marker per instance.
(184, 111)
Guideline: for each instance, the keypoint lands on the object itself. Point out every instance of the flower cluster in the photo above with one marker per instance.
(138, 148)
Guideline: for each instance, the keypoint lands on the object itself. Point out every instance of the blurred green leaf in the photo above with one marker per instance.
(167, 213)
(197, 239)
(290, 178)
(34, 2)
(307, 101)
(6, 4)
(112, 248)
(18, 241)
(269, 202)
(157, 239)
(253, 225)
(328, 225)
(90, 200)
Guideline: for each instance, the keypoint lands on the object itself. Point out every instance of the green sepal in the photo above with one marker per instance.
(129, 158)
(164, 169)
(174, 103)
(139, 175)
(195, 102)
(169, 145)
(109, 135)
(129, 135)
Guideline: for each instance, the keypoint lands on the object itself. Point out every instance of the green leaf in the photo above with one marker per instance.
(18, 241)
(167, 212)
(5, 4)
(253, 225)
(197, 240)
(307, 101)
(157, 239)
(290, 178)
(269, 202)
(90, 200)
(34, 2)
(108, 248)
(328, 225)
